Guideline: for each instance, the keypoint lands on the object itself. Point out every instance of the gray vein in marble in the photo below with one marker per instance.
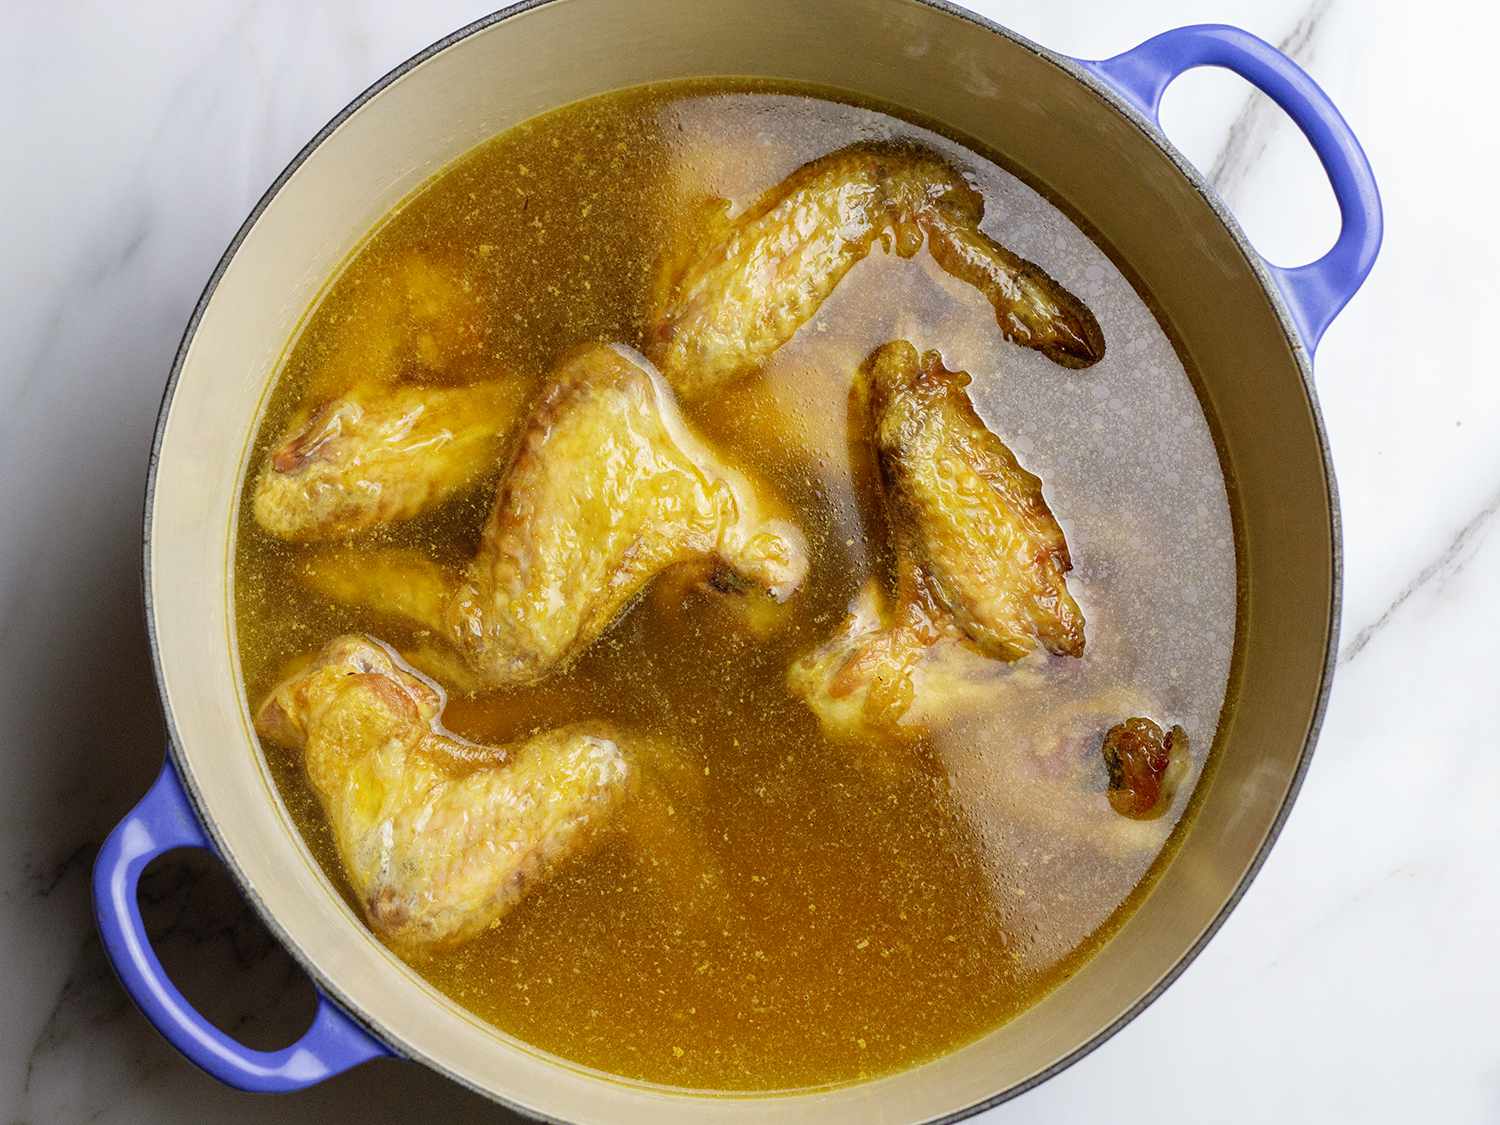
(1335, 913)
(128, 236)
(124, 235)
(1246, 141)
(52, 1033)
(45, 882)
(1453, 558)
(200, 927)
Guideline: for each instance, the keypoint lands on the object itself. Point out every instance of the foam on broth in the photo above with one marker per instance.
(831, 921)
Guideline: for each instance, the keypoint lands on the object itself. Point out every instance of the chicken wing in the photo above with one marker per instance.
(378, 455)
(978, 560)
(975, 520)
(438, 836)
(720, 314)
(607, 489)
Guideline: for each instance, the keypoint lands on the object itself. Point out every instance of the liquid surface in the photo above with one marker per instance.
(837, 921)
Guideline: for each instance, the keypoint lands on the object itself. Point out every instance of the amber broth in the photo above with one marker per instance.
(830, 917)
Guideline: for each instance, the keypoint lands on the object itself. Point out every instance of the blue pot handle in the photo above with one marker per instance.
(162, 821)
(1316, 292)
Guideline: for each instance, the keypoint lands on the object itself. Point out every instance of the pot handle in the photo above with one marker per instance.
(163, 820)
(1315, 292)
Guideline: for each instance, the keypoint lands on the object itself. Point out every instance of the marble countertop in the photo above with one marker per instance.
(1357, 981)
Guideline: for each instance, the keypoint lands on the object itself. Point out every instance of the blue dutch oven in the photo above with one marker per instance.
(1087, 132)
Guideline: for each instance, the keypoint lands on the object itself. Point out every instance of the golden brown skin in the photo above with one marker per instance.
(607, 489)
(975, 520)
(377, 455)
(439, 837)
(721, 313)
(978, 558)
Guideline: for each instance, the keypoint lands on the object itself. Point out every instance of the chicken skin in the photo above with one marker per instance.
(979, 559)
(438, 836)
(862, 682)
(975, 520)
(379, 455)
(721, 313)
(607, 489)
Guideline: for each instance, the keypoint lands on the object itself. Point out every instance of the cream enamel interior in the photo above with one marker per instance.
(1054, 129)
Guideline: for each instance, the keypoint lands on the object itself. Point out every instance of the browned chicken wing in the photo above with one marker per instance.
(978, 558)
(722, 312)
(439, 837)
(377, 455)
(608, 488)
(977, 523)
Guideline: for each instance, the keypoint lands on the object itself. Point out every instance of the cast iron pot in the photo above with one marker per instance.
(1085, 132)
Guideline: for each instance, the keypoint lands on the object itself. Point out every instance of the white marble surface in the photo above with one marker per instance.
(1359, 979)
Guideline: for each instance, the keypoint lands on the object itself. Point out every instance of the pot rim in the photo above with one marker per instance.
(1112, 99)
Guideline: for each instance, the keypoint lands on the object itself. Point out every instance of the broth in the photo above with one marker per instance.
(838, 922)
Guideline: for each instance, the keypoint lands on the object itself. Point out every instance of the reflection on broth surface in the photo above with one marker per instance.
(787, 910)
